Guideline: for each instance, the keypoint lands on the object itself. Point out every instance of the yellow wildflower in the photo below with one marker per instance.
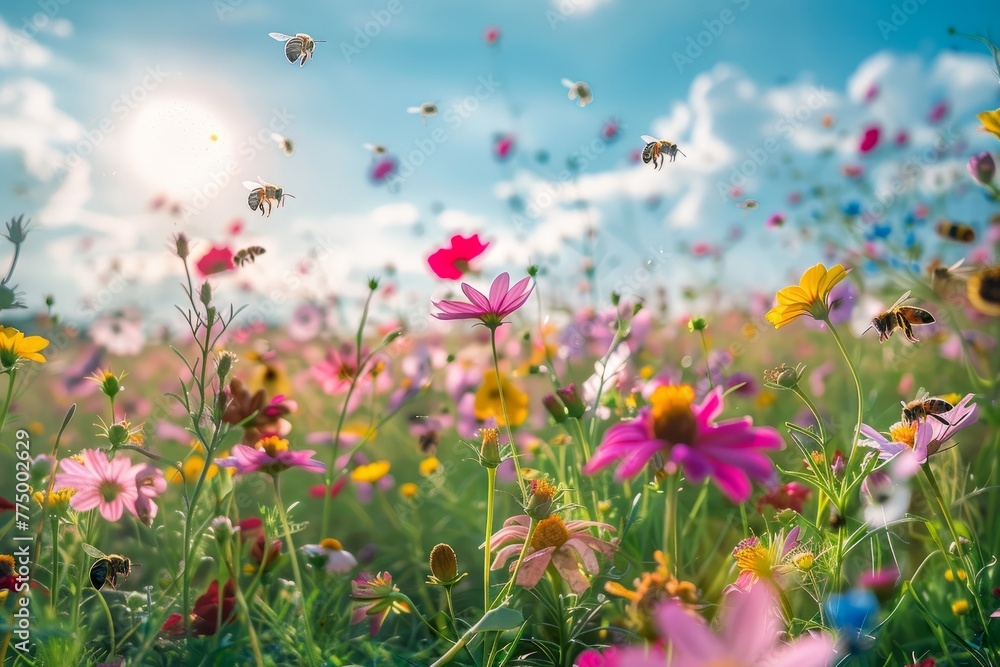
(810, 297)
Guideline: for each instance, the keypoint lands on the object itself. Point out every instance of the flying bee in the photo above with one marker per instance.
(107, 568)
(264, 193)
(659, 148)
(579, 91)
(747, 204)
(286, 145)
(376, 149)
(300, 47)
(955, 231)
(924, 406)
(899, 316)
(426, 109)
(248, 255)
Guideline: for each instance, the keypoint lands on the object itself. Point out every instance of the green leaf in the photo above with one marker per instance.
(499, 620)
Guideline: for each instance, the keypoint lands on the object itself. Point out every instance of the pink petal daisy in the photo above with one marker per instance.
(564, 545)
(491, 311)
(108, 485)
(924, 437)
(271, 455)
(452, 262)
(730, 452)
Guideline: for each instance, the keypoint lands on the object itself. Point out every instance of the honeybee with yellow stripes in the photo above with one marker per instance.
(262, 193)
(297, 47)
(106, 569)
(924, 406)
(903, 317)
(659, 149)
(955, 231)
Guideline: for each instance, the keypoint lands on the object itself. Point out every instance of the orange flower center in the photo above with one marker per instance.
(331, 544)
(904, 433)
(550, 532)
(272, 445)
(109, 491)
(673, 419)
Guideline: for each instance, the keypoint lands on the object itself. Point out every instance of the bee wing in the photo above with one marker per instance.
(922, 394)
(414, 109)
(280, 36)
(250, 185)
(956, 264)
(906, 295)
(916, 315)
(93, 552)
(648, 139)
(567, 83)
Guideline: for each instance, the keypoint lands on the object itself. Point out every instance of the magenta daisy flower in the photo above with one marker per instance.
(730, 452)
(270, 455)
(108, 485)
(491, 311)
(924, 437)
(564, 545)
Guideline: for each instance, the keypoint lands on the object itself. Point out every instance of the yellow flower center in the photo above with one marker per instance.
(752, 557)
(409, 490)
(550, 532)
(904, 433)
(371, 472)
(110, 491)
(6, 565)
(272, 445)
(429, 465)
(331, 544)
(673, 419)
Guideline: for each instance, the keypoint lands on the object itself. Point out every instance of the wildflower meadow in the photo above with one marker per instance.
(681, 367)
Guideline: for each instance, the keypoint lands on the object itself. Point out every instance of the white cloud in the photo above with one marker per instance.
(453, 220)
(31, 124)
(570, 7)
(18, 50)
(394, 215)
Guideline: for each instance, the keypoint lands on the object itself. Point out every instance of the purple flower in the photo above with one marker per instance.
(982, 168)
(491, 311)
(270, 455)
(924, 437)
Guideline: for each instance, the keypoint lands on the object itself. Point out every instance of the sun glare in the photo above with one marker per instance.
(178, 146)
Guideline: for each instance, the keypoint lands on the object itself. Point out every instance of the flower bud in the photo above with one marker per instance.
(982, 167)
(222, 529)
(373, 283)
(570, 396)
(181, 246)
(17, 230)
(554, 407)
(542, 496)
(697, 324)
(839, 465)
(444, 563)
(489, 453)
(118, 434)
(533, 270)
(226, 361)
(206, 293)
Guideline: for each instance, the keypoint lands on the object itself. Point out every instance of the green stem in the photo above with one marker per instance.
(962, 553)
(10, 395)
(491, 481)
(857, 388)
(506, 418)
(520, 559)
(671, 544)
(111, 623)
(54, 586)
(708, 367)
(310, 648)
(242, 604)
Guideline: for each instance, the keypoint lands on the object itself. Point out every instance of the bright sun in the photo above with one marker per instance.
(179, 146)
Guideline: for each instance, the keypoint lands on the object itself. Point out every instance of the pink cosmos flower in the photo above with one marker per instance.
(119, 333)
(492, 35)
(217, 260)
(503, 146)
(869, 140)
(502, 301)
(375, 597)
(150, 483)
(757, 562)
(748, 636)
(923, 437)
(271, 455)
(730, 452)
(107, 485)
(383, 168)
(937, 113)
(564, 545)
(452, 262)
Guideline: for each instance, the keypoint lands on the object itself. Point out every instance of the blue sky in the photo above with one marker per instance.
(189, 70)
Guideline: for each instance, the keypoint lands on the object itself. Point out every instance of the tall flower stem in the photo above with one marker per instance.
(708, 365)
(242, 603)
(310, 648)
(54, 586)
(520, 559)
(491, 482)
(671, 544)
(963, 555)
(506, 417)
(10, 396)
(857, 388)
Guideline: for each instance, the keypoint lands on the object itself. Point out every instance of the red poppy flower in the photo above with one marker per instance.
(217, 260)
(452, 262)
(491, 35)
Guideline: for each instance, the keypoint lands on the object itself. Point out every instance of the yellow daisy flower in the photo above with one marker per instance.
(15, 346)
(810, 297)
(370, 472)
(488, 401)
(991, 122)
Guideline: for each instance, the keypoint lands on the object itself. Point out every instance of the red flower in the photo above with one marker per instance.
(938, 113)
(383, 168)
(491, 35)
(320, 490)
(503, 146)
(205, 618)
(870, 139)
(216, 260)
(788, 496)
(452, 262)
(6, 505)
